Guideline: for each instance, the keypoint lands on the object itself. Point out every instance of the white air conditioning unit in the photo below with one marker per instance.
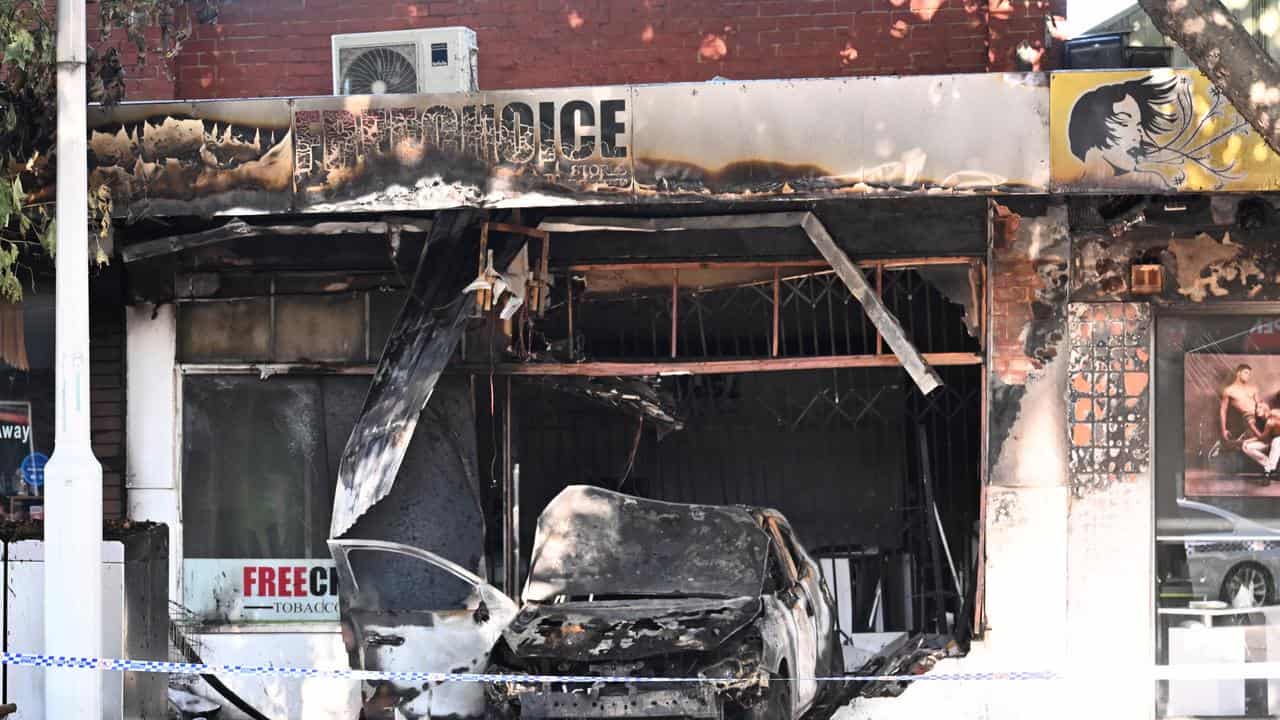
(431, 60)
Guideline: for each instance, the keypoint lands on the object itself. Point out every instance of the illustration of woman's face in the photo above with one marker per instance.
(1125, 126)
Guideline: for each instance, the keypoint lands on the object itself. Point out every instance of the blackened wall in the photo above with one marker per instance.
(106, 393)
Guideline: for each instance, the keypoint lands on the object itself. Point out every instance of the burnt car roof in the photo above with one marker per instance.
(592, 541)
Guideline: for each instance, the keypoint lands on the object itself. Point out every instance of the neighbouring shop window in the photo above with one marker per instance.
(1217, 465)
(259, 462)
(26, 404)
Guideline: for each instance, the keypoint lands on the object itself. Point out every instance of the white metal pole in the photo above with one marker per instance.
(73, 477)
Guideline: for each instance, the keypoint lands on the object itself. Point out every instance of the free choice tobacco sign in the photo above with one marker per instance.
(259, 590)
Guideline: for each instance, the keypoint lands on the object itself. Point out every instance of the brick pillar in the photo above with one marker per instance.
(106, 391)
(1027, 496)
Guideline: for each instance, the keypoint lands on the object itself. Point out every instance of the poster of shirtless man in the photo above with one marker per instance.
(1233, 424)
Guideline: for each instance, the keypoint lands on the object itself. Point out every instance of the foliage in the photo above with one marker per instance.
(28, 104)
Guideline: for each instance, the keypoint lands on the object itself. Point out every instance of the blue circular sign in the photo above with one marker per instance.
(33, 469)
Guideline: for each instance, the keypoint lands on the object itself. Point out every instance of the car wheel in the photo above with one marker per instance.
(1254, 578)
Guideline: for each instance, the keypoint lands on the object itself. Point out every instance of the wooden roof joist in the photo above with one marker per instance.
(237, 228)
(712, 367)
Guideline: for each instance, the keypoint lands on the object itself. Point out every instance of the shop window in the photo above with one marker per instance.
(338, 327)
(259, 462)
(1217, 443)
(328, 327)
(222, 331)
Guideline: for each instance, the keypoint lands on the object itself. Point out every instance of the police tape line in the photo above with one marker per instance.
(1207, 671)
(176, 668)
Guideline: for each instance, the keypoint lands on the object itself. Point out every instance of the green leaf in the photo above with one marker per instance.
(49, 238)
(21, 48)
(6, 205)
(10, 286)
(18, 195)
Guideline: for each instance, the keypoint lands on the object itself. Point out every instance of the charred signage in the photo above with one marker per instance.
(257, 590)
(193, 158)
(768, 139)
(1153, 131)
(842, 137)
(431, 152)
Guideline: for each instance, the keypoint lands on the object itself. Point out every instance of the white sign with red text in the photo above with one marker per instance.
(252, 590)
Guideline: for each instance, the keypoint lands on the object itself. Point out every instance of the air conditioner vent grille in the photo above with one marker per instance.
(379, 70)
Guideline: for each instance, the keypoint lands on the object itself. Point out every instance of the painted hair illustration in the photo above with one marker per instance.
(1149, 126)
(1095, 115)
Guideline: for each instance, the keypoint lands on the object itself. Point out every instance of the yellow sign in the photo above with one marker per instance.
(1152, 131)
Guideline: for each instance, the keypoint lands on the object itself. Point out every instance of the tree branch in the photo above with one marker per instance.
(1228, 55)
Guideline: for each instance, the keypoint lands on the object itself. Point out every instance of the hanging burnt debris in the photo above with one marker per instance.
(644, 398)
(425, 336)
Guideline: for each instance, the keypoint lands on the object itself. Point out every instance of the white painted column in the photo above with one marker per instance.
(73, 477)
(151, 426)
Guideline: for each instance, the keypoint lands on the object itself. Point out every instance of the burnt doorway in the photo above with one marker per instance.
(785, 396)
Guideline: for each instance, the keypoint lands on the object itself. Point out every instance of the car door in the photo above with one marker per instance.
(436, 617)
(802, 606)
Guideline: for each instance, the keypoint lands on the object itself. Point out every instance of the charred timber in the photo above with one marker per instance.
(714, 367)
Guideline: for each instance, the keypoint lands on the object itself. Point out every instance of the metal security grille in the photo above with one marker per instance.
(811, 314)
(950, 419)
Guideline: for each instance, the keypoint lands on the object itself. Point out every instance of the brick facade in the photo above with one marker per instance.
(1028, 276)
(153, 81)
(262, 48)
(1013, 283)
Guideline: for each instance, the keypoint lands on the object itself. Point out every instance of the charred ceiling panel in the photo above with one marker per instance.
(440, 151)
(851, 135)
(862, 228)
(193, 158)
(423, 339)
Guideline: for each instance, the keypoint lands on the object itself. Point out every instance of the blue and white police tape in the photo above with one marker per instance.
(176, 668)
(1203, 671)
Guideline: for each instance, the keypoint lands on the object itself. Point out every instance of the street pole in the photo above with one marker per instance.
(73, 477)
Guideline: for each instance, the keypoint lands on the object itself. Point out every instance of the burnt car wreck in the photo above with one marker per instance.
(623, 586)
(619, 586)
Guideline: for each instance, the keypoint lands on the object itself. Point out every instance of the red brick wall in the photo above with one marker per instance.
(1014, 282)
(106, 393)
(281, 47)
(1028, 274)
(153, 81)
